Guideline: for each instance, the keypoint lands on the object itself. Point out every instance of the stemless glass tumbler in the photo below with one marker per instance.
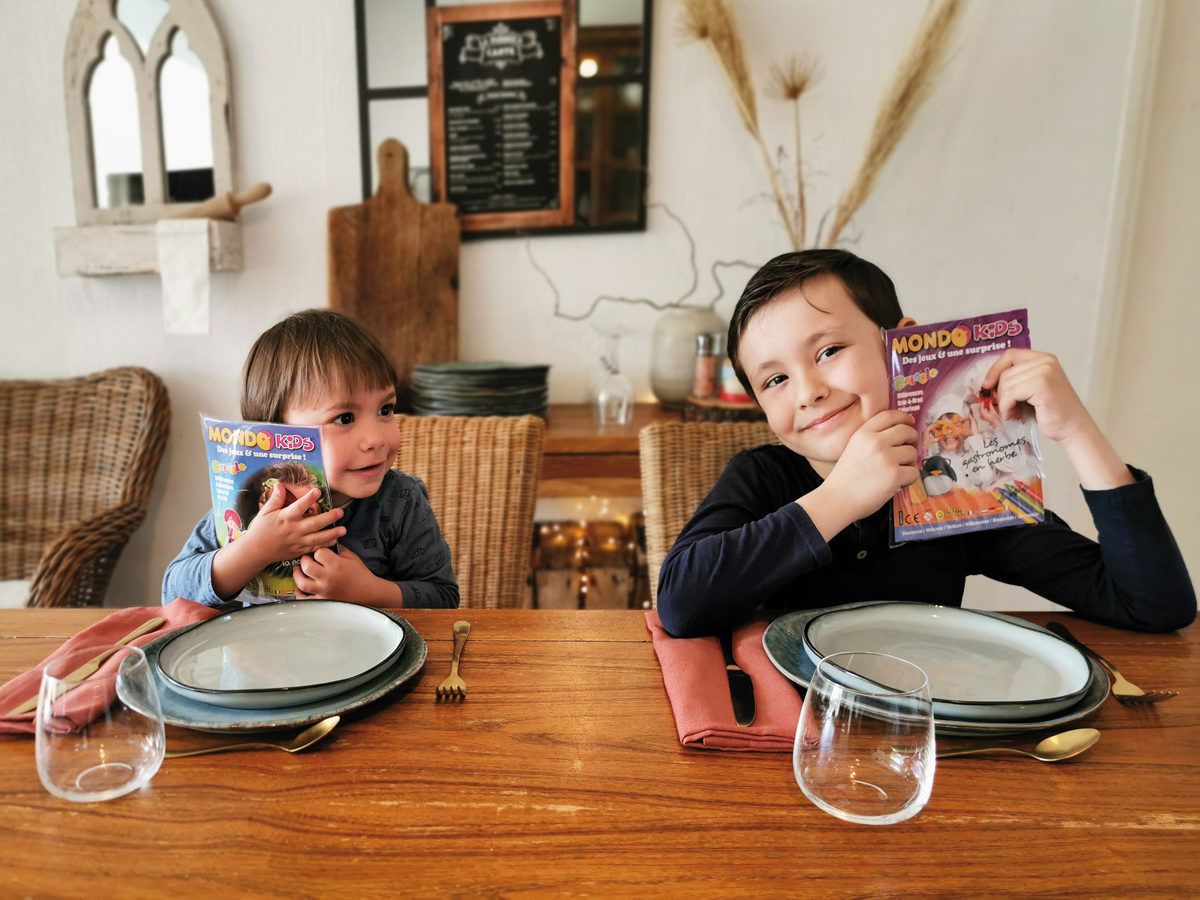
(864, 748)
(103, 736)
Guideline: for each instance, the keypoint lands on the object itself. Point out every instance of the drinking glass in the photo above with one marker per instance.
(101, 737)
(864, 748)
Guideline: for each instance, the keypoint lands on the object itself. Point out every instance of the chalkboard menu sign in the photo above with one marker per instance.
(502, 112)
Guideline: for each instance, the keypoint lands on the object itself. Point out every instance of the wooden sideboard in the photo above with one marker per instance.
(585, 459)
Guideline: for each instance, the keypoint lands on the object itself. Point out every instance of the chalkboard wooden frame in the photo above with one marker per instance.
(497, 14)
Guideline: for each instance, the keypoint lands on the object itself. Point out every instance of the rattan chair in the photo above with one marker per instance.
(79, 457)
(681, 461)
(482, 474)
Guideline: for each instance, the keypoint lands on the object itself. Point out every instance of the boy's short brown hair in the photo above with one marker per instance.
(306, 355)
(868, 285)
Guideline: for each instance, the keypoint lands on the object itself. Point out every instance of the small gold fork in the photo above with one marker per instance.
(1122, 688)
(453, 687)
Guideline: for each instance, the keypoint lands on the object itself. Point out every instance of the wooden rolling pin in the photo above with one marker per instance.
(226, 206)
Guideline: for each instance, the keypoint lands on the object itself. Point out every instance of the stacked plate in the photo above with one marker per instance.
(988, 673)
(282, 665)
(479, 389)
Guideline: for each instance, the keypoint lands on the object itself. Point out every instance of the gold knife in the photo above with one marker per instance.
(92, 664)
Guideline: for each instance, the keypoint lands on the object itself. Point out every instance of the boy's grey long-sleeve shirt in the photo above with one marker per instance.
(394, 532)
(750, 547)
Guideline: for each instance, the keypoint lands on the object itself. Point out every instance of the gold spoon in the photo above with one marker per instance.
(1055, 748)
(306, 738)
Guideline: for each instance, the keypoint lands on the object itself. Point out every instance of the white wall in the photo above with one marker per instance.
(1007, 192)
(1154, 410)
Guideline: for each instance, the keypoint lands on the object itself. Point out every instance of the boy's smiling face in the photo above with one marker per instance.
(817, 366)
(359, 437)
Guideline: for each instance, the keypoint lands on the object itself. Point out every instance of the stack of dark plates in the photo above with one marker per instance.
(479, 389)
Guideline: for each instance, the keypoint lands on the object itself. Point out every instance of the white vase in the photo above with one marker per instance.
(673, 351)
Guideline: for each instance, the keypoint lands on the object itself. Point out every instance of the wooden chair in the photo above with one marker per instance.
(680, 462)
(79, 457)
(482, 475)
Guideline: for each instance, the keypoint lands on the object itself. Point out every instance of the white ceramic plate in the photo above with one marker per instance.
(280, 654)
(979, 667)
(185, 712)
(784, 643)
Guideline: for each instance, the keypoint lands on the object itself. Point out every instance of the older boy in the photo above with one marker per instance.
(806, 524)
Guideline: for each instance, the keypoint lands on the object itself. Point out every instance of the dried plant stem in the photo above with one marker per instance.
(910, 88)
(749, 115)
(801, 216)
(710, 21)
(780, 198)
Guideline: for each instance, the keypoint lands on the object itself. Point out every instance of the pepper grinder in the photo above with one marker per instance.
(704, 385)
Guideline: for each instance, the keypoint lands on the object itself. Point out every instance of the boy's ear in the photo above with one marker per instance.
(906, 322)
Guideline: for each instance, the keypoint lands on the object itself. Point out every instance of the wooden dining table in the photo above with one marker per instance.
(561, 773)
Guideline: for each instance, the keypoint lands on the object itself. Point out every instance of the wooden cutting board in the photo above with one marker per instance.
(393, 266)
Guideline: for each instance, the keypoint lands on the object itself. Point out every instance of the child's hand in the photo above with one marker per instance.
(340, 574)
(281, 532)
(879, 459)
(277, 533)
(1025, 379)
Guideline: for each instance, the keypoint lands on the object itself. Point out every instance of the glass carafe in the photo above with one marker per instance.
(612, 395)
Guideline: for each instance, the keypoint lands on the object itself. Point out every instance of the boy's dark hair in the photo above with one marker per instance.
(869, 286)
(302, 356)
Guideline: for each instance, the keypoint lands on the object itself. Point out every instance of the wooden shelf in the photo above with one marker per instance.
(133, 249)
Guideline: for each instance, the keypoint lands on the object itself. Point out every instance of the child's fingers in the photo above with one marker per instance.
(884, 422)
(274, 501)
(304, 502)
(346, 553)
(326, 538)
(307, 588)
(321, 522)
(900, 433)
(991, 378)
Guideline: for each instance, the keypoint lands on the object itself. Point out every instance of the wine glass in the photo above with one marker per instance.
(864, 748)
(101, 737)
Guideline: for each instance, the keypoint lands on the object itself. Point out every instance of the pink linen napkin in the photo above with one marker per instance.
(694, 674)
(108, 630)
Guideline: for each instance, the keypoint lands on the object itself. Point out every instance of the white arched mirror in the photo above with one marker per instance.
(149, 125)
(147, 84)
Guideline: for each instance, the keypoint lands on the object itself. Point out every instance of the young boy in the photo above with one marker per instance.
(381, 544)
(807, 524)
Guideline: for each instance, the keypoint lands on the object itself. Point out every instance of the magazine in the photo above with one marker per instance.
(246, 460)
(977, 471)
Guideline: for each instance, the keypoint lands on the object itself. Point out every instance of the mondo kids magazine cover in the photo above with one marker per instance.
(977, 470)
(246, 460)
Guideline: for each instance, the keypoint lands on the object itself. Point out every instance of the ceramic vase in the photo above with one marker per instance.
(673, 351)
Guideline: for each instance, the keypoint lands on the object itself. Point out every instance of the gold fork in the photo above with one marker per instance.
(453, 687)
(1122, 688)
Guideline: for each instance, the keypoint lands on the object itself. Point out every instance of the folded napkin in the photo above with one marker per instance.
(85, 704)
(694, 674)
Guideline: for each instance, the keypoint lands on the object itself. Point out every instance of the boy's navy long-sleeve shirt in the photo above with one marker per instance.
(751, 547)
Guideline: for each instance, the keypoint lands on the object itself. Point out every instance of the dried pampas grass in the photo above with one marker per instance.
(790, 83)
(710, 21)
(910, 88)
